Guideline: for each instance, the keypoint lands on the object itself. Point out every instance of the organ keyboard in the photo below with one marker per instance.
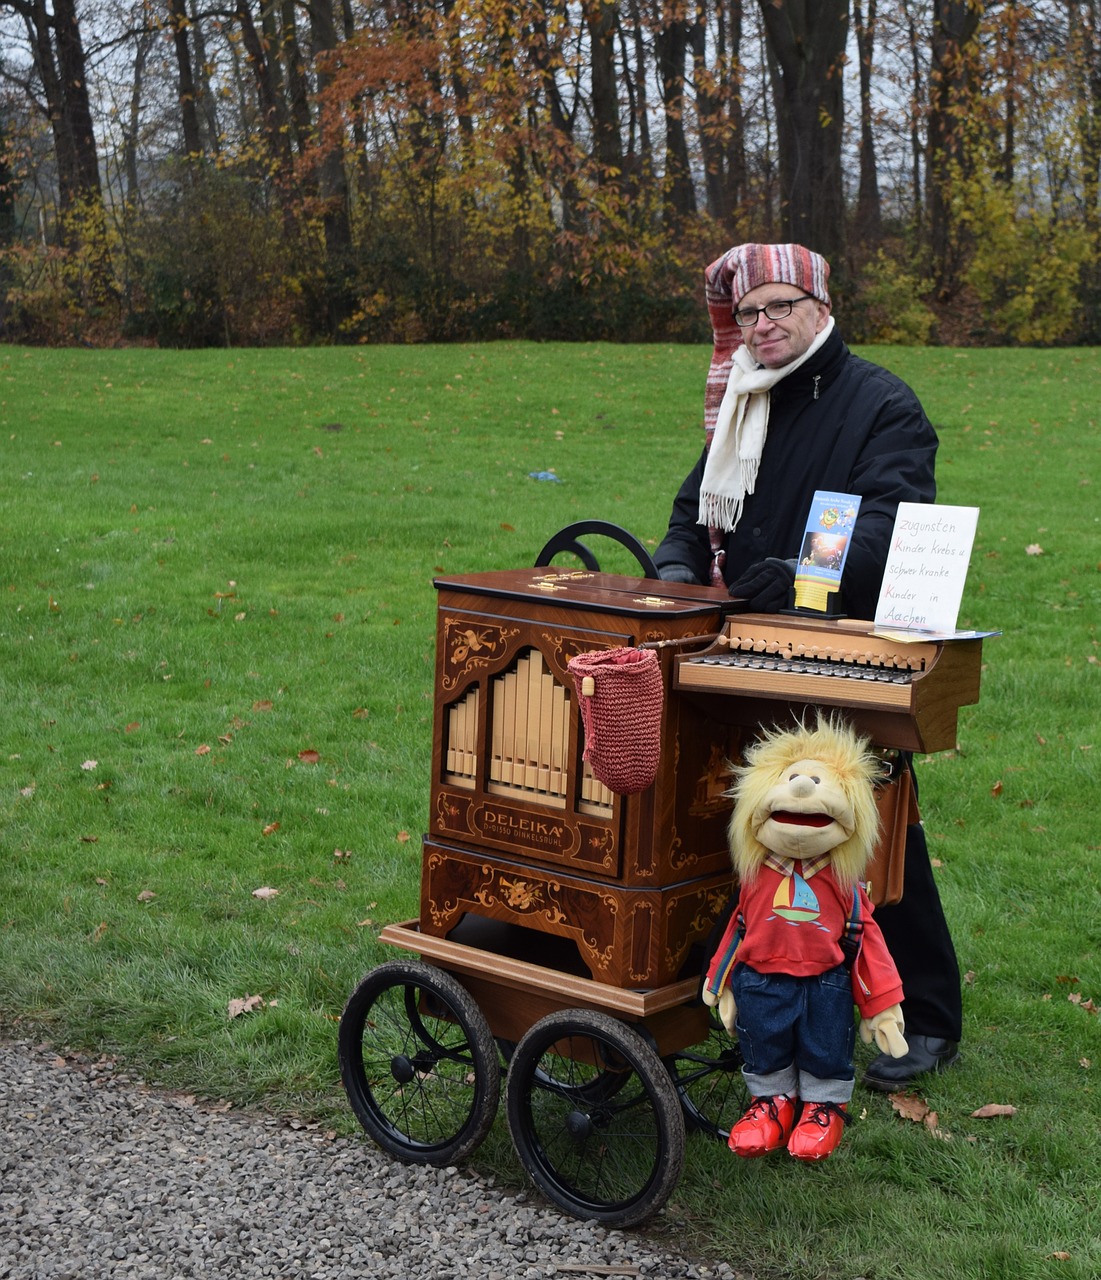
(902, 694)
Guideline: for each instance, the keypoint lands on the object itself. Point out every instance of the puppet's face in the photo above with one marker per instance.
(805, 813)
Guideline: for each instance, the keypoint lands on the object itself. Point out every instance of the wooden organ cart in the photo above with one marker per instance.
(561, 926)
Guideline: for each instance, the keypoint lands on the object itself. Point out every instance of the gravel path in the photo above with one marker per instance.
(101, 1176)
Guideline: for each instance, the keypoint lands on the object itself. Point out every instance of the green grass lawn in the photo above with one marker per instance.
(216, 621)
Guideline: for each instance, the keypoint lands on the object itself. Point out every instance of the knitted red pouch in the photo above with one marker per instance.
(620, 695)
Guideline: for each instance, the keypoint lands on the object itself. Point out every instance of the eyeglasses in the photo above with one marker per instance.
(747, 317)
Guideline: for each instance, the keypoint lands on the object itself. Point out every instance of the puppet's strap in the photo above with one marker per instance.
(725, 957)
(853, 935)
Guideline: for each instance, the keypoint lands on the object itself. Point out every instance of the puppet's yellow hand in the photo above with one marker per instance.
(886, 1029)
(728, 1010)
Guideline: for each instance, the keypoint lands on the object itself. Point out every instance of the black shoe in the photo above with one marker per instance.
(927, 1054)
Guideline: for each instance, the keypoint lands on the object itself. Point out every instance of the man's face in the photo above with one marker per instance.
(775, 343)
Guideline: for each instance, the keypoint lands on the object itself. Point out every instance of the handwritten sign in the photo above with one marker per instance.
(926, 567)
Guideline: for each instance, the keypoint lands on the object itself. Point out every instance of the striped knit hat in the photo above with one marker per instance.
(750, 265)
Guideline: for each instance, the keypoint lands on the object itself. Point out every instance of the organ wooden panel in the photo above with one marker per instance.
(510, 788)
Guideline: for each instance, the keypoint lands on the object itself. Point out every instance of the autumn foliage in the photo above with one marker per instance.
(439, 170)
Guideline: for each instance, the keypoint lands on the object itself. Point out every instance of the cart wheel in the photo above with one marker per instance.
(708, 1078)
(595, 1118)
(419, 1063)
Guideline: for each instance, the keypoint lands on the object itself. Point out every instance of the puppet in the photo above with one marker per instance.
(802, 946)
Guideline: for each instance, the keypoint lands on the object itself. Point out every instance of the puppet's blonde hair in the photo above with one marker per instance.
(847, 755)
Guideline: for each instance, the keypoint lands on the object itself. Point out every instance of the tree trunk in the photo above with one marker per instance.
(185, 79)
(642, 154)
(600, 18)
(332, 183)
(271, 105)
(129, 163)
(868, 213)
(917, 111)
(204, 98)
(719, 107)
(294, 73)
(77, 105)
(953, 86)
(1010, 27)
(671, 40)
(806, 45)
(560, 170)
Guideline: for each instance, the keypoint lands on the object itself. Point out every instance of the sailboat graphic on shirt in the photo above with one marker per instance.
(795, 900)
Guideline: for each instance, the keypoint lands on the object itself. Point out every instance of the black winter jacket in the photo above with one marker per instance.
(837, 423)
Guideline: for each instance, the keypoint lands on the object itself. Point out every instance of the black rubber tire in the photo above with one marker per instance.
(708, 1079)
(594, 1117)
(418, 1063)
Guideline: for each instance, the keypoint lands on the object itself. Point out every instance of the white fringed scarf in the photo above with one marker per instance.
(730, 473)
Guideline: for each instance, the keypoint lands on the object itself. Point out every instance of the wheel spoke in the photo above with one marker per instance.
(709, 1082)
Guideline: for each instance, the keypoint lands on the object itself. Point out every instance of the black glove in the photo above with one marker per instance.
(766, 587)
(677, 573)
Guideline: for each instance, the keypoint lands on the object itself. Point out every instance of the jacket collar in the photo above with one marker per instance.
(819, 371)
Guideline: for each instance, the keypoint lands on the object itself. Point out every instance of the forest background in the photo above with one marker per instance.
(261, 172)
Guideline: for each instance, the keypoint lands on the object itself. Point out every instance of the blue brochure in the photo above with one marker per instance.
(825, 547)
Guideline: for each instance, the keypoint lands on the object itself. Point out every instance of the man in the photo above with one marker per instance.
(788, 410)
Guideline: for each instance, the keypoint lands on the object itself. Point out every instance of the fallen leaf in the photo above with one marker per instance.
(89, 765)
(993, 1109)
(360, 713)
(244, 1004)
(270, 829)
(996, 789)
(203, 750)
(1034, 549)
(309, 756)
(265, 892)
(1060, 1255)
(146, 895)
(262, 705)
(910, 1106)
(133, 726)
(403, 837)
(89, 839)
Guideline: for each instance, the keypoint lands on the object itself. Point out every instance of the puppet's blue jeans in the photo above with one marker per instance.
(797, 1035)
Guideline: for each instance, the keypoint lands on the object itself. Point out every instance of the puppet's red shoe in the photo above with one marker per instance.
(765, 1127)
(819, 1130)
